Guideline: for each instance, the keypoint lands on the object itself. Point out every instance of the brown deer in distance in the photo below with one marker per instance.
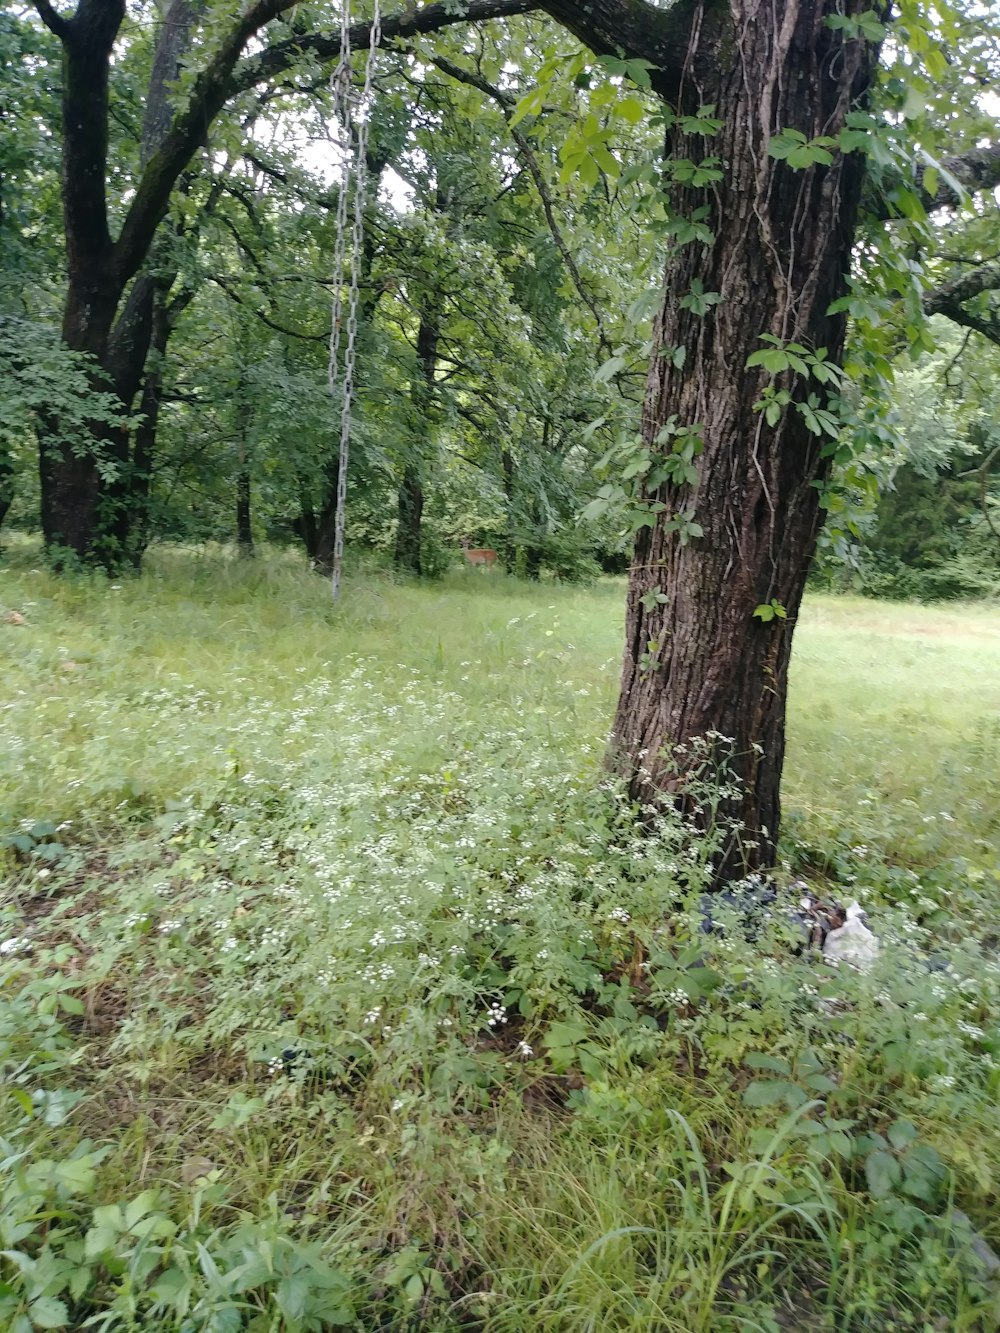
(480, 556)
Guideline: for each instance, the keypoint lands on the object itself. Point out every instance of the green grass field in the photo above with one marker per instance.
(339, 993)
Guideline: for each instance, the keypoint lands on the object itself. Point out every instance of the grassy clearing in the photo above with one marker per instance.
(342, 996)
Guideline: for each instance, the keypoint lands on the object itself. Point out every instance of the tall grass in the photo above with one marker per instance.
(330, 958)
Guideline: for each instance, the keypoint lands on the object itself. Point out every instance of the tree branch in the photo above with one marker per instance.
(635, 30)
(983, 473)
(506, 104)
(184, 136)
(976, 171)
(226, 75)
(966, 320)
(281, 56)
(948, 300)
(235, 297)
(985, 278)
(53, 21)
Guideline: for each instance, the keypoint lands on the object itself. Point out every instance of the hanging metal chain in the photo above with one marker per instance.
(357, 246)
(340, 87)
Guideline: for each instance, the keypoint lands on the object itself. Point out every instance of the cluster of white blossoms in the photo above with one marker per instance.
(970, 1030)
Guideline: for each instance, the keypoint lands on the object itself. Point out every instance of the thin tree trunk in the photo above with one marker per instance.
(164, 319)
(326, 525)
(244, 525)
(244, 517)
(6, 484)
(509, 545)
(700, 670)
(306, 525)
(242, 421)
(144, 452)
(410, 506)
(409, 513)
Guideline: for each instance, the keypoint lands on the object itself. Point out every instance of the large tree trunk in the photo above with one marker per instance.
(700, 670)
(69, 478)
(88, 512)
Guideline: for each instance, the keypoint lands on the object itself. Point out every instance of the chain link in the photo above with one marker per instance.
(341, 87)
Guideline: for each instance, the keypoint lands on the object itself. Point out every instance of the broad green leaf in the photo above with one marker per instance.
(882, 1172)
(760, 1060)
(610, 369)
(47, 1312)
(632, 110)
(901, 1133)
(766, 1092)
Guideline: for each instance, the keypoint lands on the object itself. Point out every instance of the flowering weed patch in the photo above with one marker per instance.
(340, 992)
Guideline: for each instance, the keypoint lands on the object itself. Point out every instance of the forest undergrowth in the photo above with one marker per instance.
(339, 989)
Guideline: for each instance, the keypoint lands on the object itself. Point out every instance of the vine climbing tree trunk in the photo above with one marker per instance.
(703, 678)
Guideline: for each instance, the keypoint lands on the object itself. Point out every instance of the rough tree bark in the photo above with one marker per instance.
(699, 664)
(699, 667)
